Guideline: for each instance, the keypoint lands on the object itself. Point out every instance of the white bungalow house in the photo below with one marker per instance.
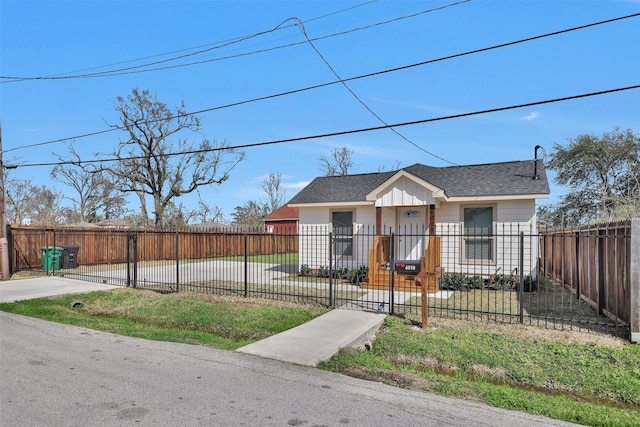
(466, 219)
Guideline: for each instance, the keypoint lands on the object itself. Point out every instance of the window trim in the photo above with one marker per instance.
(491, 238)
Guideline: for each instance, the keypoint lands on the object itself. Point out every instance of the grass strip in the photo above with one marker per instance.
(217, 321)
(584, 383)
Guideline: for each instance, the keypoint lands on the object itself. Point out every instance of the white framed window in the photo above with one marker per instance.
(478, 234)
(342, 226)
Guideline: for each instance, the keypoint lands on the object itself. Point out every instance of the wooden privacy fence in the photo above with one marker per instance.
(110, 246)
(596, 264)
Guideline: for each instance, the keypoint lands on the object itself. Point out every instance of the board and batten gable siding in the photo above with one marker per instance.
(314, 227)
(405, 192)
(511, 218)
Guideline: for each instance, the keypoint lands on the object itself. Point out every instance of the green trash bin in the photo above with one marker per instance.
(51, 257)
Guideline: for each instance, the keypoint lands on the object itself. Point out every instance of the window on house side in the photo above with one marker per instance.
(342, 222)
(478, 235)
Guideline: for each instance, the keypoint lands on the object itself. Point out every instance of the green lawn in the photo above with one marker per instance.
(222, 322)
(586, 379)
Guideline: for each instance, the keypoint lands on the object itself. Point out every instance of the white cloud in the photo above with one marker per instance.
(531, 116)
(296, 186)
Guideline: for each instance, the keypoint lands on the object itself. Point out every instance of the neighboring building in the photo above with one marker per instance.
(479, 210)
(283, 220)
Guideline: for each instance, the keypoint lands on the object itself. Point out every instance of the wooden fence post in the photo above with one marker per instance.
(601, 266)
(634, 300)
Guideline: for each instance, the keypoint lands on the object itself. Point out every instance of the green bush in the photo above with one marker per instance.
(475, 282)
(323, 271)
(356, 275)
(502, 282)
(453, 281)
(530, 283)
(305, 270)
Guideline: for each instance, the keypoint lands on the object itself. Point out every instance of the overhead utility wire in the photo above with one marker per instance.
(136, 69)
(334, 82)
(318, 86)
(373, 113)
(199, 46)
(347, 132)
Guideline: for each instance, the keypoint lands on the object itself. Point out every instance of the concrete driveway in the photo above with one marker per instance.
(42, 287)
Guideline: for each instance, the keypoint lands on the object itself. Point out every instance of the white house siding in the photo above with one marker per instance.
(314, 229)
(511, 218)
(313, 226)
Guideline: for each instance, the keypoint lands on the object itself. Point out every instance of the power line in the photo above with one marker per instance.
(223, 42)
(347, 132)
(373, 113)
(321, 85)
(109, 74)
(130, 70)
(137, 69)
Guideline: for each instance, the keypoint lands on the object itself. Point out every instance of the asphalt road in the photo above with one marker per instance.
(59, 375)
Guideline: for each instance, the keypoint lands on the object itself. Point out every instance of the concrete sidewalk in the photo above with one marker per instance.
(306, 345)
(319, 339)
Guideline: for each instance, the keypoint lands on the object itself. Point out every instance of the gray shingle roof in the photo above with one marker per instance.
(491, 179)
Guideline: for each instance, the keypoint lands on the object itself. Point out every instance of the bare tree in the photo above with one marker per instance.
(31, 204)
(274, 191)
(17, 194)
(339, 163)
(94, 191)
(394, 166)
(249, 214)
(206, 213)
(156, 159)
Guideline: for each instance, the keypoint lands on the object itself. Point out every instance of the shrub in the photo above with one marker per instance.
(453, 281)
(305, 270)
(475, 282)
(530, 283)
(502, 282)
(356, 275)
(323, 271)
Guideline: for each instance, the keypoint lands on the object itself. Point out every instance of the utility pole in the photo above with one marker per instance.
(3, 219)
(4, 246)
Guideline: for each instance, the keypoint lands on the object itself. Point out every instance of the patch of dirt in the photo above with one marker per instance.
(401, 379)
(567, 336)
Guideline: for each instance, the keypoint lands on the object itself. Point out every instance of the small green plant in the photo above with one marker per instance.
(502, 282)
(453, 281)
(356, 275)
(475, 282)
(323, 271)
(530, 283)
(305, 270)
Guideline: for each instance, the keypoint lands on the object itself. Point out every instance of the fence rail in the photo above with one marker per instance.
(594, 264)
(109, 246)
(556, 279)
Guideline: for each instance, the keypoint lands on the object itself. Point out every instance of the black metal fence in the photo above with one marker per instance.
(498, 275)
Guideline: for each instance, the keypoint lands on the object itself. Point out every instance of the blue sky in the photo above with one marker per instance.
(66, 38)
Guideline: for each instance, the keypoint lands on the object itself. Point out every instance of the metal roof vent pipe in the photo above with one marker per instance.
(535, 162)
